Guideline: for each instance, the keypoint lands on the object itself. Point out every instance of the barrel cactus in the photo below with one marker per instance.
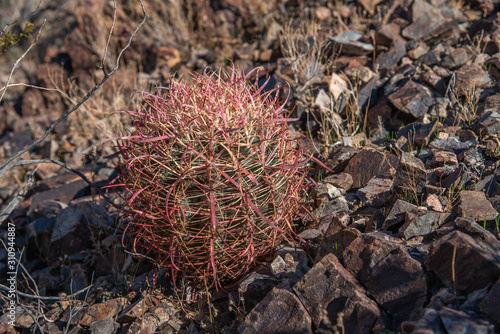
(213, 177)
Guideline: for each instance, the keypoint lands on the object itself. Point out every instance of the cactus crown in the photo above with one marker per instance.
(213, 176)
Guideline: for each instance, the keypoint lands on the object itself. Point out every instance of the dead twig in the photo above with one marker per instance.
(9, 163)
(21, 58)
(14, 203)
(21, 18)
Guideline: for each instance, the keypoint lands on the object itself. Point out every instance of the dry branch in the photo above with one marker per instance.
(9, 163)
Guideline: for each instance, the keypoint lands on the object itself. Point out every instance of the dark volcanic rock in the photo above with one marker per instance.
(413, 99)
(447, 320)
(329, 287)
(389, 273)
(421, 222)
(396, 216)
(475, 264)
(279, 312)
(489, 305)
(418, 133)
(74, 229)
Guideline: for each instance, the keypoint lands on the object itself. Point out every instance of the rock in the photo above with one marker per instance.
(62, 194)
(456, 58)
(104, 326)
(377, 191)
(324, 193)
(475, 263)
(447, 320)
(420, 50)
(370, 5)
(279, 312)
(471, 75)
(390, 275)
(418, 133)
(411, 175)
(450, 144)
(339, 158)
(350, 43)
(151, 321)
(278, 266)
(342, 180)
(438, 84)
(460, 322)
(369, 163)
(442, 158)
(432, 202)
(489, 124)
(337, 87)
(475, 205)
(413, 99)
(390, 58)
(103, 310)
(387, 34)
(421, 222)
(336, 238)
(489, 305)
(254, 288)
(328, 289)
(134, 311)
(85, 219)
(396, 216)
(425, 24)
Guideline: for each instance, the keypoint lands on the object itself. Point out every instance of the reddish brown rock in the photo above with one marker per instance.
(343, 181)
(340, 157)
(475, 262)
(475, 205)
(369, 163)
(336, 238)
(392, 277)
(103, 310)
(329, 287)
(279, 312)
(471, 75)
(442, 158)
(411, 175)
(387, 34)
(391, 57)
(377, 191)
(413, 99)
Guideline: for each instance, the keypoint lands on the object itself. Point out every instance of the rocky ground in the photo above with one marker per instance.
(399, 98)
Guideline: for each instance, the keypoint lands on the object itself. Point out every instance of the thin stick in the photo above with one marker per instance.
(21, 58)
(21, 18)
(109, 38)
(4, 167)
